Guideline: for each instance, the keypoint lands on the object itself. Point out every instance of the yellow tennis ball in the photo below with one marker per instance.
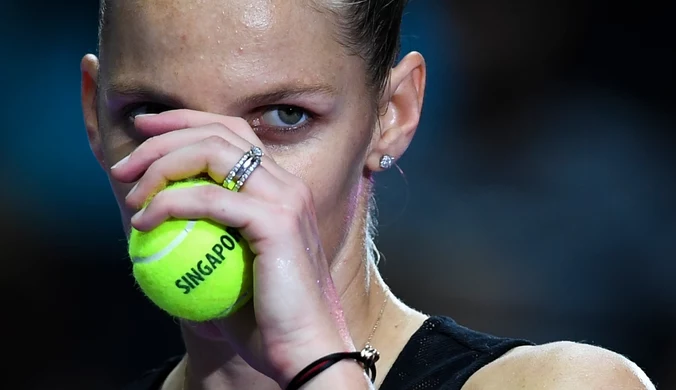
(196, 270)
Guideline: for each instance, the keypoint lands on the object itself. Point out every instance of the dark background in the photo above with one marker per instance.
(538, 199)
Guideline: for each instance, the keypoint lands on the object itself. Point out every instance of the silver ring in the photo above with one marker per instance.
(239, 174)
(245, 176)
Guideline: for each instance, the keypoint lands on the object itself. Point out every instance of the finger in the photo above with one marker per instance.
(212, 202)
(132, 167)
(170, 121)
(153, 125)
(213, 156)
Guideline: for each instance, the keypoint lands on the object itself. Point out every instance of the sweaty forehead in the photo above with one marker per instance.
(231, 42)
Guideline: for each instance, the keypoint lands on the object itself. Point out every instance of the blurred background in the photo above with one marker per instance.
(549, 212)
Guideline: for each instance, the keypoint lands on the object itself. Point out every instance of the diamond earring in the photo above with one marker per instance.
(386, 161)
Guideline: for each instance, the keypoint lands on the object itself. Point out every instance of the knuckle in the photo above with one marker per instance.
(154, 172)
(148, 151)
(152, 143)
(303, 194)
(215, 146)
(217, 127)
(210, 195)
(295, 207)
(241, 123)
(140, 150)
(162, 201)
(288, 218)
(210, 199)
(216, 141)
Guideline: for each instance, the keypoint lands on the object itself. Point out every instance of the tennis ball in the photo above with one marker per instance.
(196, 270)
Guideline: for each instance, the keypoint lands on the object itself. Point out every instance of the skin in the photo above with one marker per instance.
(312, 188)
(217, 74)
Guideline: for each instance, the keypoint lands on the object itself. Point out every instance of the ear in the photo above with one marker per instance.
(402, 106)
(89, 68)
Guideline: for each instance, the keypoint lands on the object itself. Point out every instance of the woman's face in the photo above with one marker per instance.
(275, 63)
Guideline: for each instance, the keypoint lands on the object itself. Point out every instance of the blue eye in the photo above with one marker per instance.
(285, 117)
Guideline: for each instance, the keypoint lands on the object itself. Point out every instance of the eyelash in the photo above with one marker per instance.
(128, 114)
(255, 123)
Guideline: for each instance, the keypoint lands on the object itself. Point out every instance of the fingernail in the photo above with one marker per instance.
(136, 217)
(120, 163)
(133, 189)
(144, 115)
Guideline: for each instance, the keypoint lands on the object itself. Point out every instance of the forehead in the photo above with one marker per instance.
(230, 42)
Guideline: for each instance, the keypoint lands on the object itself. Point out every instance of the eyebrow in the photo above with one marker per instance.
(280, 93)
(127, 89)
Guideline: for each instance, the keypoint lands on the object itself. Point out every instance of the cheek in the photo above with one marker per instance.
(336, 219)
(336, 202)
(120, 191)
(333, 167)
(335, 181)
(115, 148)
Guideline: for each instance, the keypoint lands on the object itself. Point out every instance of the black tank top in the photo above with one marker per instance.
(441, 355)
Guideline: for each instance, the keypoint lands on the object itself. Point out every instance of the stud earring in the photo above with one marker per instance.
(386, 161)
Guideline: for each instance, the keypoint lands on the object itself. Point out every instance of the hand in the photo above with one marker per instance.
(295, 306)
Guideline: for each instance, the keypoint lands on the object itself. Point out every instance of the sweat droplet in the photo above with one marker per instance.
(258, 15)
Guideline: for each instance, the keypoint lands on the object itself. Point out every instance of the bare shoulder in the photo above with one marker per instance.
(560, 366)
